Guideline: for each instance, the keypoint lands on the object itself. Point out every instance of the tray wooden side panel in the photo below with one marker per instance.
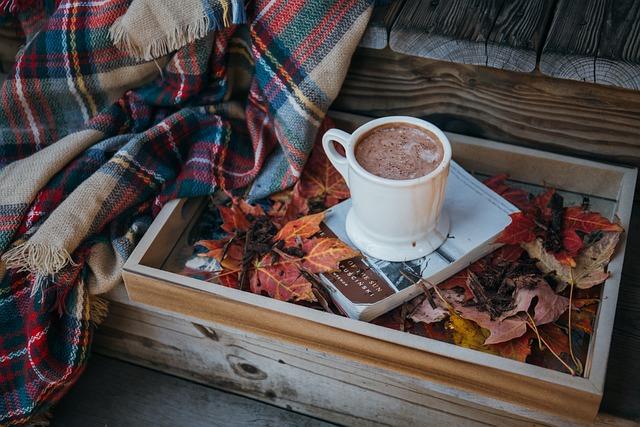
(463, 380)
(289, 376)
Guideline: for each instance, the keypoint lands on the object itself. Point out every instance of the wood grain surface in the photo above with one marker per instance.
(618, 60)
(452, 30)
(533, 110)
(377, 34)
(517, 34)
(572, 42)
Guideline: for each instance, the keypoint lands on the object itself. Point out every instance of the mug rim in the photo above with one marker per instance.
(366, 127)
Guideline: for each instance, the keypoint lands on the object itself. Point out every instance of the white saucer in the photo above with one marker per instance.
(397, 251)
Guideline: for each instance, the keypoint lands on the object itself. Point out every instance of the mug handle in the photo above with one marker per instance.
(338, 161)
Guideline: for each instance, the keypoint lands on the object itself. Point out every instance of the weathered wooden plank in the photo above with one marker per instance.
(287, 376)
(376, 35)
(115, 393)
(517, 34)
(290, 376)
(450, 30)
(618, 58)
(559, 115)
(572, 42)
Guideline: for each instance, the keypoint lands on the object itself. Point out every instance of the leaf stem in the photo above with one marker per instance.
(573, 357)
(571, 371)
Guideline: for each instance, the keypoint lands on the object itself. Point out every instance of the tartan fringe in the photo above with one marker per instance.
(98, 309)
(178, 37)
(38, 258)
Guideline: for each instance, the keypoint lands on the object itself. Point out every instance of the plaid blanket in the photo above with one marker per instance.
(114, 107)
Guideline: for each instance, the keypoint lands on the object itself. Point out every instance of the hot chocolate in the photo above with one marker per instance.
(399, 151)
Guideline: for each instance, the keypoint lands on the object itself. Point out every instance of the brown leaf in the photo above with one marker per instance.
(549, 307)
(590, 263)
(500, 330)
(304, 227)
(427, 314)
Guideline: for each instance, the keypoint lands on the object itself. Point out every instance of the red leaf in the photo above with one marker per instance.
(282, 281)
(571, 242)
(321, 180)
(577, 219)
(516, 196)
(303, 227)
(507, 254)
(565, 259)
(541, 201)
(233, 219)
(555, 337)
(521, 230)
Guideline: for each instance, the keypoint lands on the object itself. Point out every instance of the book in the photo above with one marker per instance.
(365, 287)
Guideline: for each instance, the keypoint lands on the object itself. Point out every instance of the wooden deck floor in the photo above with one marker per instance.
(116, 393)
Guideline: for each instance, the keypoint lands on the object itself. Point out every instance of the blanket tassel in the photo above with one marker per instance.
(98, 309)
(38, 258)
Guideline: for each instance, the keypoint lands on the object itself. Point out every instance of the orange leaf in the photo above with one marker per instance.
(577, 219)
(303, 227)
(321, 180)
(324, 254)
(521, 230)
(248, 209)
(516, 196)
(216, 249)
(517, 349)
(233, 219)
(282, 281)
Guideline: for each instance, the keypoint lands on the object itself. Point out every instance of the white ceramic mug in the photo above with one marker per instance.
(393, 220)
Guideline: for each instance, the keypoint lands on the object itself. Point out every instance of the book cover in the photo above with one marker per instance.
(366, 288)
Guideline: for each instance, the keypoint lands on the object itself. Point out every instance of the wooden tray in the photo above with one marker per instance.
(466, 377)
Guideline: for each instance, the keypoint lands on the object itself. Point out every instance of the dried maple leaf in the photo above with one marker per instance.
(507, 254)
(516, 196)
(282, 281)
(500, 330)
(590, 263)
(324, 254)
(520, 230)
(468, 334)
(304, 227)
(575, 218)
(320, 180)
(233, 219)
(517, 349)
(555, 337)
(227, 252)
(426, 313)
(549, 305)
